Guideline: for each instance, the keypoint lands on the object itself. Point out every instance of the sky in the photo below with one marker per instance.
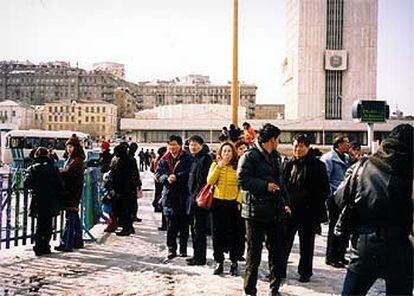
(164, 39)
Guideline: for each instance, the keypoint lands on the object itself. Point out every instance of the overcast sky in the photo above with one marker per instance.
(163, 39)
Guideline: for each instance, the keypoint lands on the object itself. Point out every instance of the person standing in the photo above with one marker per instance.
(336, 163)
(158, 188)
(223, 176)
(72, 175)
(147, 159)
(196, 181)
(354, 152)
(172, 172)
(307, 184)
(141, 156)
(234, 133)
(105, 157)
(133, 147)
(43, 179)
(265, 202)
(383, 187)
(249, 134)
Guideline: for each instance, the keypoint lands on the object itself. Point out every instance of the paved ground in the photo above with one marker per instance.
(133, 266)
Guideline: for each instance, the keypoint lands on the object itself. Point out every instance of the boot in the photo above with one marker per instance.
(219, 268)
(112, 224)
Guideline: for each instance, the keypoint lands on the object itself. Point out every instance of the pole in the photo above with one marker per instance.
(371, 137)
(235, 82)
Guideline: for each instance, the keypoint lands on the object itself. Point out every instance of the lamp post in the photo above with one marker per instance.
(235, 82)
(323, 128)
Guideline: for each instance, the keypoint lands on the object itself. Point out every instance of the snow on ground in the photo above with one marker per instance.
(134, 266)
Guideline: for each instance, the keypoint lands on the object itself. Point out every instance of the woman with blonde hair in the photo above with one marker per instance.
(227, 198)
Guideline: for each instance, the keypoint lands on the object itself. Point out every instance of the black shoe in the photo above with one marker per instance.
(41, 251)
(241, 259)
(337, 264)
(234, 269)
(162, 228)
(219, 268)
(125, 232)
(304, 279)
(190, 259)
(61, 248)
(344, 261)
(195, 262)
(183, 255)
(171, 255)
(136, 219)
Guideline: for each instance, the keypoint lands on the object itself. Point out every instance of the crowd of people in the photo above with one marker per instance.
(257, 197)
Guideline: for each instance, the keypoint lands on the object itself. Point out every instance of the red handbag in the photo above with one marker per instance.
(204, 198)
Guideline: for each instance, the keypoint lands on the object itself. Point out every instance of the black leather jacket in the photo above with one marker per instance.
(256, 170)
(385, 218)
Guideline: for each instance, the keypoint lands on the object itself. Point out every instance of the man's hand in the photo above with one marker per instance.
(172, 179)
(272, 187)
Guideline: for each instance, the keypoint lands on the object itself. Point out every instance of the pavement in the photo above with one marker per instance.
(134, 266)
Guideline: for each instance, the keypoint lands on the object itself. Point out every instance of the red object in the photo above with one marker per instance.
(205, 197)
(105, 145)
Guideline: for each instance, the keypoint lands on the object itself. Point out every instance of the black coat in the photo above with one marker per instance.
(105, 159)
(198, 176)
(309, 193)
(174, 196)
(385, 216)
(255, 171)
(124, 176)
(43, 179)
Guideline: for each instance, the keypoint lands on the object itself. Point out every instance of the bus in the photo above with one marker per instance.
(19, 143)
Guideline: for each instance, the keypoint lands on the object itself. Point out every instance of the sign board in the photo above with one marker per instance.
(370, 111)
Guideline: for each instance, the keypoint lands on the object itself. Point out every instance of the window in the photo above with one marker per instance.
(13, 113)
(73, 109)
(92, 119)
(79, 113)
(67, 118)
(92, 110)
(50, 109)
(56, 109)
(103, 119)
(56, 118)
(87, 109)
(50, 117)
(103, 109)
(87, 119)
(67, 109)
(98, 109)
(61, 108)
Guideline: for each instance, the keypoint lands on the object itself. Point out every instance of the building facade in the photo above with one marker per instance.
(17, 115)
(97, 118)
(269, 111)
(46, 82)
(331, 57)
(196, 89)
(115, 69)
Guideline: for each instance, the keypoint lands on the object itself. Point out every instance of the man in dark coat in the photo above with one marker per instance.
(307, 183)
(197, 180)
(43, 179)
(133, 147)
(105, 157)
(383, 202)
(172, 172)
(141, 156)
(265, 202)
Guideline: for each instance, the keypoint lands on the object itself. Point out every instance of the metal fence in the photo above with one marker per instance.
(18, 228)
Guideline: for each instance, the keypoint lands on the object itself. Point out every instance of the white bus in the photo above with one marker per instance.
(23, 141)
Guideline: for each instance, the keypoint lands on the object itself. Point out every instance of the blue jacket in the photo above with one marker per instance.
(174, 196)
(335, 169)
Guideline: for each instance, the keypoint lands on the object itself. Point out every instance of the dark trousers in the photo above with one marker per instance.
(306, 231)
(72, 236)
(271, 233)
(123, 207)
(199, 233)
(241, 243)
(225, 230)
(336, 246)
(44, 229)
(141, 165)
(177, 224)
(356, 284)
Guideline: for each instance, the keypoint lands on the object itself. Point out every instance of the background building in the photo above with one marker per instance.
(269, 111)
(115, 69)
(196, 89)
(331, 58)
(16, 115)
(98, 118)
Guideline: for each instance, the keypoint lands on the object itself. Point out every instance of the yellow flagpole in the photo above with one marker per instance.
(235, 82)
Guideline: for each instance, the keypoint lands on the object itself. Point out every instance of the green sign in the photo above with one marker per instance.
(373, 111)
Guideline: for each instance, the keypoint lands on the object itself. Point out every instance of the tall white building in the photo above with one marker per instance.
(16, 115)
(331, 57)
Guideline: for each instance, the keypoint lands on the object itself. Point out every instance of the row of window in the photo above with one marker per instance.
(98, 128)
(5, 114)
(72, 109)
(68, 118)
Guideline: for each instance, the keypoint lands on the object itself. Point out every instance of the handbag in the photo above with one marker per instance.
(204, 198)
(347, 222)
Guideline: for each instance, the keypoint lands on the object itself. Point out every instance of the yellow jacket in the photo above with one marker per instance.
(226, 186)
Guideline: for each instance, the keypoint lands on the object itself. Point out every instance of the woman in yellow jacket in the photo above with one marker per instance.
(227, 198)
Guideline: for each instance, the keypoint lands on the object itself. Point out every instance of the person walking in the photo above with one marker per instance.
(382, 198)
(72, 175)
(226, 201)
(172, 172)
(307, 184)
(42, 177)
(265, 202)
(336, 163)
(196, 181)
